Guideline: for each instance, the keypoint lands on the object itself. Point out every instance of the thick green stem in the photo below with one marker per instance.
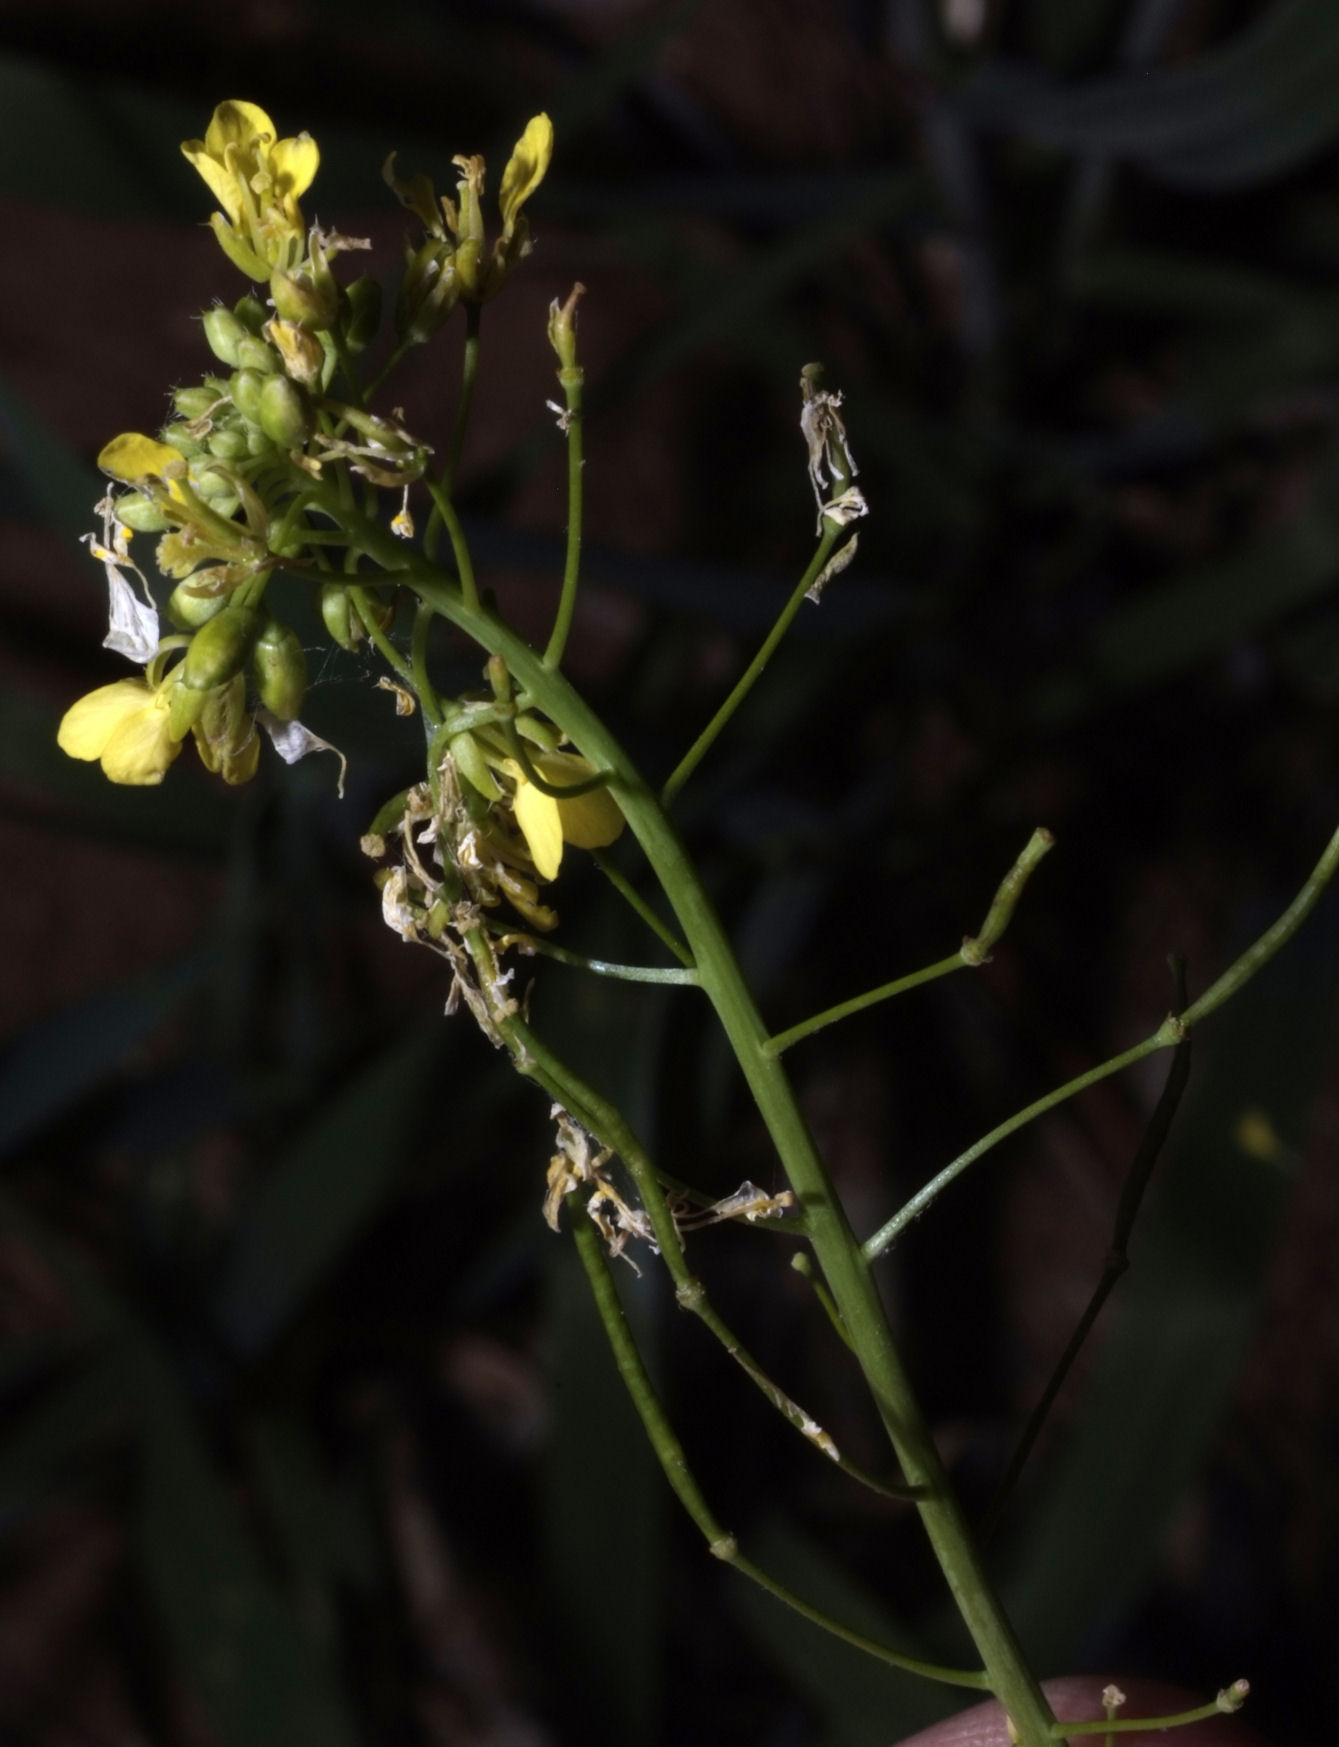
(839, 1254)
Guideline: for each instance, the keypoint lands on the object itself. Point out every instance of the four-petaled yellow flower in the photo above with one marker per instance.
(588, 821)
(127, 727)
(257, 179)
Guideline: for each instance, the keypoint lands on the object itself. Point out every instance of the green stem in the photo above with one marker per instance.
(427, 694)
(628, 973)
(1168, 1034)
(839, 1254)
(974, 951)
(673, 1462)
(367, 612)
(572, 380)
(469, 371)
(707, 738)
(443, 507)
(1228, 1701)
(1171, 1032)
(633, 898)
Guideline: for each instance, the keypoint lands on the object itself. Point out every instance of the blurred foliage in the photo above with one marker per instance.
(283, 1332)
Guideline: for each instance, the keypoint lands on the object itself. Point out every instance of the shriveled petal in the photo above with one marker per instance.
(294, 164)
(541, 825)
(132, 457)
(132, 625)
(89, 723)
(292, 741)
(525, 168)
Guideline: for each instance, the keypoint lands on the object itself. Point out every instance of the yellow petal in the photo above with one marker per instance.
(89, 724)
(236, 123)
(541, 825)
(294, 164)
(133, 457)
(525, 168)
(219, 177)
(141, 748)
(591, 821)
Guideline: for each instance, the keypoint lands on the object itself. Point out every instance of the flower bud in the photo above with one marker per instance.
(340, 619)
(299, 298)
(254, 354)
(244, 387)
(225, 445)
(285, 413)
(140, 515)
(189, 611)
(196, 402)
(223, 333)
(184, 706)
(563, 328)
(183, 441)
(363, 300)
(280, 667)
(219, 648)
(251, 312)
(225, 733)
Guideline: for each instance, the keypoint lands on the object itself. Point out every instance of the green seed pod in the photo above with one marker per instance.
(298, 298)
(363, 300)
(194, 403)
(285, 413)
(338, 615)
(254, 354)
(245, 387)
(227, 445)
(280, 667)
(189, 611)
(223, 334)
(136, 511)
(219, 648)
(251, 312)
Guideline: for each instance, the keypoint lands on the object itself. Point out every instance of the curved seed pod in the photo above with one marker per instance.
(280, 666)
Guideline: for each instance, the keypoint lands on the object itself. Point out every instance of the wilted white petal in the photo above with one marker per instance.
(132, 627)
(834, 567)
(395, 907)
(292, 741)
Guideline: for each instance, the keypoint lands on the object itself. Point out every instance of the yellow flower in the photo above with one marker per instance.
(136, 459)
(127, 727)
(588, 821)
(257, 179)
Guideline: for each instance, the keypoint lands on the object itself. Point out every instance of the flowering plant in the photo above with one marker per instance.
(284, 461)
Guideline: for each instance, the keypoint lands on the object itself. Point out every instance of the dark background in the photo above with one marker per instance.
(310, 1434)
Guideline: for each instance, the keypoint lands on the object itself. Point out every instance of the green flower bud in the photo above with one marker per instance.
(139, 514)
(225, 732)
(285, 413)
(340, 619)
(219, 648)
(226, 445)
(223, 334)
(245, 387)
(298, 298)
(280, 667)
(251, 312)
(363, 317)
(189, 611)
(472, 766)
(254, 354)
(182, 440)
(194, 403)
(212, 483)
(257, 443)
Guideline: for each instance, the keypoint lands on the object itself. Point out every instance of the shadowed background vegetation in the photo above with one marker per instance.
(310, 1432)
